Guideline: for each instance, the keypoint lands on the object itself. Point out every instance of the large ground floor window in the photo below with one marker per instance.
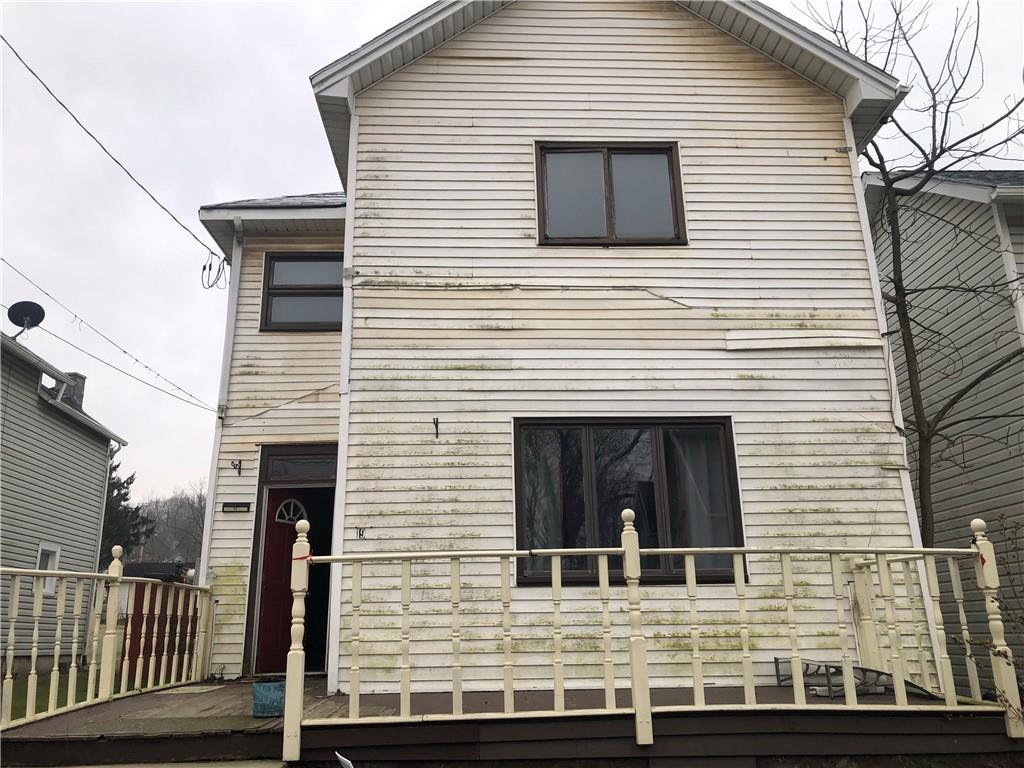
(574, 478)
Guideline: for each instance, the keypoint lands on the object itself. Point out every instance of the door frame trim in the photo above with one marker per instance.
(268, 451)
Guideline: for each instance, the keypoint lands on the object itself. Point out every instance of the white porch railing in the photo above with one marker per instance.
(102, 636)
(903, 637)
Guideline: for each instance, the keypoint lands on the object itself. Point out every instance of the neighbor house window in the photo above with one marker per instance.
(574, 478)
(610, 194)
(302, 291)
(48, 559)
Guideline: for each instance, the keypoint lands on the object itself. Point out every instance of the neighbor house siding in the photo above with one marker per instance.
(282, 388)
(976, 471)
(53, 473)
(461, 317)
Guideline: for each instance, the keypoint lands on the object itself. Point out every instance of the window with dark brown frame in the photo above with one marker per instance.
(609, 194)
(302, 291)
(574, 478)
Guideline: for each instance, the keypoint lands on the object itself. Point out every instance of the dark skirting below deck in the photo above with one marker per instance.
(214, 723)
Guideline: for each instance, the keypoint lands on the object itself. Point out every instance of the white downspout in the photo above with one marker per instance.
(338, 531)
(203, 566)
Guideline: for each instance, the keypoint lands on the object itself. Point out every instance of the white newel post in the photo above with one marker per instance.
(637, 641)
(295, 670)
(1003, 672)
(108, 664)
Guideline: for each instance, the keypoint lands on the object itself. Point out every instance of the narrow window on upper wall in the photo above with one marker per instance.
(574, 478)
(302, 291)
(610, 194)
(48, 559)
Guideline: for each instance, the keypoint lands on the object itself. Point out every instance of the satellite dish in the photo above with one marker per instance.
(25, 314)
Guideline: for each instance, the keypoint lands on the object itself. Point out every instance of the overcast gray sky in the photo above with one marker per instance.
(204, 103)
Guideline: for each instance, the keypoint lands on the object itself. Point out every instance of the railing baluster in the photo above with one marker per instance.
(696, 660)
(944, 666)
(556, 632)
(58, 632)
(506, 633)
(14, 597)
(189, 641)
(159, 595)
(76, 615)
(740, 580)
(357, 604)
(98, 592)
(456, 565)
(796, 665)
(126, 650)
(606, 632)
(172, 599)
(895, 651)
(405, 704)
(140, 654)
(38, 583)
(849, 684)
(965, 633)
(199, 646)
(179, 609)
(916, 602)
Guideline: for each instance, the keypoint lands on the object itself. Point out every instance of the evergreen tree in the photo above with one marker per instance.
(123, 522)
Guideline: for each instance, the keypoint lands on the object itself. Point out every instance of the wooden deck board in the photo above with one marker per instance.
(217, 724)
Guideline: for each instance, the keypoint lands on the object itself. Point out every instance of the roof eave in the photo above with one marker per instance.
(82, 418)
(10, 346)
(221, 222)
(871, 94)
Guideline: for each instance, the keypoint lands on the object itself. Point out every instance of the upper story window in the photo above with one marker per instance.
(574, 478)
(302, 291)
(610, 194)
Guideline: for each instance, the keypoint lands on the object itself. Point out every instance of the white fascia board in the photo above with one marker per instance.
(80, 417)
(874, 83)
(394, 38)
(10, 346)
(264, 214)
(1003, 193)
(979, 193)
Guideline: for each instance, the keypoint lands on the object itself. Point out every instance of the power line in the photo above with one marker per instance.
(126, 373)
(121, 370)
(100, 333)
(212, 275)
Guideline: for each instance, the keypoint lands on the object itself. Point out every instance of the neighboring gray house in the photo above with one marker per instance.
(53, 476)
(967, 229)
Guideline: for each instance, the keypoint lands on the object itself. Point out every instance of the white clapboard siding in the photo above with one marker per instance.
(282, 388)
(460, 316)
(951, 241)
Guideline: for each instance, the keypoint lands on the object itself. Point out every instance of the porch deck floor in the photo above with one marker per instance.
(226, 707)
(213, 721)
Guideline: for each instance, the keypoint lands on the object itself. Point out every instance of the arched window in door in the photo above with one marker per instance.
(290, 512)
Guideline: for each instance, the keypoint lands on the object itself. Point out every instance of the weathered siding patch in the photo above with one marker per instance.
(460, 316)
(282, 388)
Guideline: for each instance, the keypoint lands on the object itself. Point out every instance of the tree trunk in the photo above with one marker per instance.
(920, 417)
(924, 481)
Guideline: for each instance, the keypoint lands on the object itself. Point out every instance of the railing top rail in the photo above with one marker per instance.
(478, 554)
(10, 571)
(449, 554)
(175, 584)
(909, 552)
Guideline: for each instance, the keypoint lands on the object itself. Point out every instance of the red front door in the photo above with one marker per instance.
(285, 507)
